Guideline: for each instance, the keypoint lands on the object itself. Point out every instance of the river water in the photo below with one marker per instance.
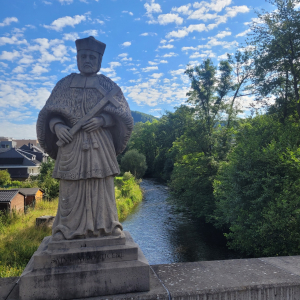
(166, 235)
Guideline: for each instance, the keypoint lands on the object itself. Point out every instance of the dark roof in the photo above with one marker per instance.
(17, 157)
(29, 191)
(7, 195)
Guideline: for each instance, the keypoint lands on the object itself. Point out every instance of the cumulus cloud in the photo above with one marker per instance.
(223, 34)
(186, 30)
(152, 7)
(111, 72)
(243, 33)
(148, 69)
(157, 75)
(13, 40)
(126, 44)
(184, 9)
(171, 54)
(168, 46)
(60, 23)
(169, 18)
(203, 54)
(10, 56)
(90, 32)
(72, 36)
(8, 21)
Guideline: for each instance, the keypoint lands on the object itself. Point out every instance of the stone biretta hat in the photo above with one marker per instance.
(90, 43)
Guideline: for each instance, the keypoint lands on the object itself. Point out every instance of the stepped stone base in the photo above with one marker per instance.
(85, 268)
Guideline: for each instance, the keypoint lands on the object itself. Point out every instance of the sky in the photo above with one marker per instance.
(149, 43)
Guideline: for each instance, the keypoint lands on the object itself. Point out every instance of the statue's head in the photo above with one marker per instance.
(89, 55)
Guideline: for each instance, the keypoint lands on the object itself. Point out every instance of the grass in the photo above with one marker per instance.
(20, 238)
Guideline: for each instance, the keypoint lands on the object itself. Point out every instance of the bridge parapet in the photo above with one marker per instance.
(269, 278)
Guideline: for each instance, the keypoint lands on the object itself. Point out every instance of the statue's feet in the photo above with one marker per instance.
(117, 231)
(58, 236)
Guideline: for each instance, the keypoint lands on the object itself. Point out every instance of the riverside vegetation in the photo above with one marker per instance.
(20, 238)
(240, 174)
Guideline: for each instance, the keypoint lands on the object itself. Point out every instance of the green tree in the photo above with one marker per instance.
(275, 40)
(257, 190)
(143, 139)
(4, 177)
(45, 180)
(134, 162)
(206, 139)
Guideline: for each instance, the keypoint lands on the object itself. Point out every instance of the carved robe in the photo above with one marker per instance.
(86, 166)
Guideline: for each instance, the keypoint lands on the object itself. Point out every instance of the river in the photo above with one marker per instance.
(166, 235)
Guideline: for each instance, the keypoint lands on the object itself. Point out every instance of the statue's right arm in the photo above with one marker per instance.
(58, 127)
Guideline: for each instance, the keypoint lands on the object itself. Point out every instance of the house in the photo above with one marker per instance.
(12, 200)
(20, 164)
(32, 195)
(34, 150)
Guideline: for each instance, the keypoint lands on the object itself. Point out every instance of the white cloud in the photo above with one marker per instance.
(99, 21)
(157, 75)
(234, 10)
(215, 5)
(243, 33)
(72, 36)
(60, 23)
(223, 34)
(18, 69)
(127, 12)
(110, 72)
(38, 70)
(152, 7)
(5, 55)
(148, 33)
(65, 1)
(90, 32)
(203, 54)
(171, 54)
(126, 44)
(12, 40)
(184, 9)
(223, 56)
(123, 55)
(148, 69)
(186, 30)
(8, 21)
(169, 46)
(169, 18)
(47, 2)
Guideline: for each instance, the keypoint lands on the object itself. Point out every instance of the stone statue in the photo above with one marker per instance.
(84, 125)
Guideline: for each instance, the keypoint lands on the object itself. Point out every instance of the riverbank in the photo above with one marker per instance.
(20, 238)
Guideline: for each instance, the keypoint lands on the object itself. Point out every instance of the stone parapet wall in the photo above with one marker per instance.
(268, 278)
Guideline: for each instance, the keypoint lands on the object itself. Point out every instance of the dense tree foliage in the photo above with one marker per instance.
(257, 189)
(134, 162)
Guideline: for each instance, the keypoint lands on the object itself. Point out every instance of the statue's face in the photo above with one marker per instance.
(88, 61)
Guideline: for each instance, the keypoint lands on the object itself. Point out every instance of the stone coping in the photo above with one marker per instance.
(258, 278)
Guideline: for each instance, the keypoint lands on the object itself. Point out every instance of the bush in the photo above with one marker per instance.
(134, 162)
(4, 177)
(258, 190)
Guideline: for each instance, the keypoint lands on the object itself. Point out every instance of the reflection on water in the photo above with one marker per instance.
(167, 236)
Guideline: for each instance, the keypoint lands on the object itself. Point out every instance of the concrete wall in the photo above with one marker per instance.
(17, 203)
(271, 278)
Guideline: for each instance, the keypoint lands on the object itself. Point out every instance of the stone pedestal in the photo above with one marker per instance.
(85, 268)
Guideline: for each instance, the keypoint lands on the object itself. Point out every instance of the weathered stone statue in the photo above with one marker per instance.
(86, 158)
(84, 124)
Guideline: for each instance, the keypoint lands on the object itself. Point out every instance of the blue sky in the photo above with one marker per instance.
(149, 43)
